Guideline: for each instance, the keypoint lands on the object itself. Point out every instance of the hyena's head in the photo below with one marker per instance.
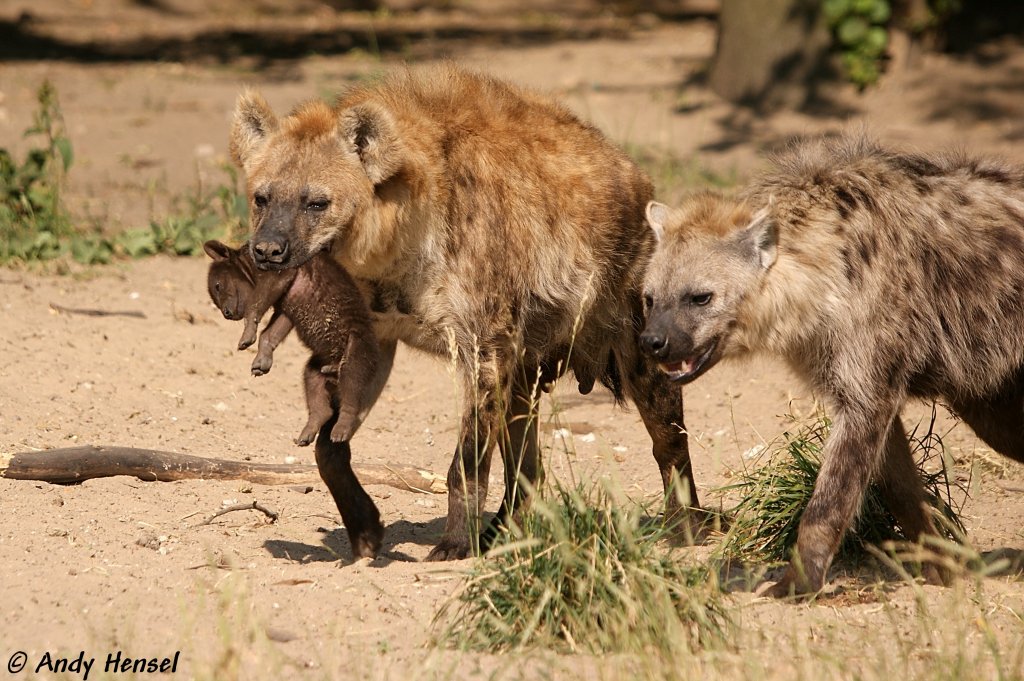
(310, 174)
(230, 280)
(711, 255)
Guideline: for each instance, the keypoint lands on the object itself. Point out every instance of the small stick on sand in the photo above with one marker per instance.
(93, 312)
(273, 515)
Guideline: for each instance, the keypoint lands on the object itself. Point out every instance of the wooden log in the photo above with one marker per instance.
(74, 464)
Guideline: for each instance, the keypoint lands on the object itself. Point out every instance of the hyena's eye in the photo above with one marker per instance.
(648, 301)
(261, 200)
(318, 205)
(701, 299)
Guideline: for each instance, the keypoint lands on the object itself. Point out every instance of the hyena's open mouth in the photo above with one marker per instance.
(689, 368)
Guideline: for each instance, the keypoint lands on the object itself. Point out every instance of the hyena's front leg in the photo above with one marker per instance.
(358, 512)
(468, 474)
(272, 336)
(660, 404)
(520, 452)
(852, 455)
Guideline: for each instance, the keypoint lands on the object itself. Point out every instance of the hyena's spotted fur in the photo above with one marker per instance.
(878, 276)
(481, 219)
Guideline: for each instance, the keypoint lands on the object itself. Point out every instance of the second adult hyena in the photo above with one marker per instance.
(489, 225)
(878, 276)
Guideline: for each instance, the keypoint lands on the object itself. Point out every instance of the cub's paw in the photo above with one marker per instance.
(261, 365)
(306, 437)
(341, 432)
(248, 337)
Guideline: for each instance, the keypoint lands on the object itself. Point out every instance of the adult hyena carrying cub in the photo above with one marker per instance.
(878, 276)
(484, 221)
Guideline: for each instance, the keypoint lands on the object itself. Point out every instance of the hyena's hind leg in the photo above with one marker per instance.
(318, 403)
(998, 419)
(660, 404)
(903, 494)
(355, 391)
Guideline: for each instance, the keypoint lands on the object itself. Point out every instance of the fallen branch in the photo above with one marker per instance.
(1010, 485)
(74, 464)
(273, 515)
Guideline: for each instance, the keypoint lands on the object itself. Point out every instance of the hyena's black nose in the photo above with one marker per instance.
(271, 249)
(654, 344)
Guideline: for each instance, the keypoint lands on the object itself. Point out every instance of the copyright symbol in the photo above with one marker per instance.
(17, 662)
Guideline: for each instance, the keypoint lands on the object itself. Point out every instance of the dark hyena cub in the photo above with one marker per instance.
(322, 302)
(879, 276)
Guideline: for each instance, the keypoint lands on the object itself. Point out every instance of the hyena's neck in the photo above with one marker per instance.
(788, 311)
(390, 241)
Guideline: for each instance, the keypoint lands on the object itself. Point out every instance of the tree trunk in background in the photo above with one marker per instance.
(771, 54)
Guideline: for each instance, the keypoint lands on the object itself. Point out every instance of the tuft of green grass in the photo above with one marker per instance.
(775, 494)
(585, 573)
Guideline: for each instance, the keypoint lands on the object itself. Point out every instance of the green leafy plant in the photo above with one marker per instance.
(220, 212)
(776, 492)
(33, 222)
(35, 226)
(585, 573)
(859, 29)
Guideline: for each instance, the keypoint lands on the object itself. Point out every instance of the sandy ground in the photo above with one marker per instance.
(122, 565)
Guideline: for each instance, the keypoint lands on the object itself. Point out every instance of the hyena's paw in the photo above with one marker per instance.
(341, 432)
(792, 586)
(261, 365)
(307, 435)
(247, 339)
(330, 369)
(937, 575)
(367, 543)
(449, 549)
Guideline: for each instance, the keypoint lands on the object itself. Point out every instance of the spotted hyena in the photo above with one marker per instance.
(878, 276)
(486, 223)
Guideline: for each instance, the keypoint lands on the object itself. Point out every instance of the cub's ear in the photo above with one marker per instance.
(761, 238)
(657, 216)
(253, 123)
(217, 250)
(372, 134)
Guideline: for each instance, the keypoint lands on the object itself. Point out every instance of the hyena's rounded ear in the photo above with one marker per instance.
(657, 217)
(253, 123)
(217, 250)
(371, 133)
(761, 238)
